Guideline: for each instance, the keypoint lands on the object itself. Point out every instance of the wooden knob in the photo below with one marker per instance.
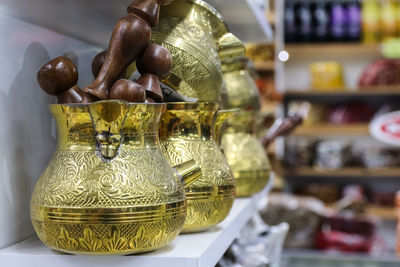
(70, 96)
(98, 62)
(128, 90)
(152, 86)
(148, 10)
(129, 39)
(57, 76)
(87, 98)
(155, 60)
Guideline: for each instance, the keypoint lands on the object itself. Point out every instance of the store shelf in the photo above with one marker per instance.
(265, 66)
(246, 19)
(327, 130)
(381, 212)
(306, 172)
(300, 258)
(342, 48)
(189, 250)
(383, 93)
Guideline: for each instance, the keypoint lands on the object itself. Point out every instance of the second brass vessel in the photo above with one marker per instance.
(188, 132)
(108, 188)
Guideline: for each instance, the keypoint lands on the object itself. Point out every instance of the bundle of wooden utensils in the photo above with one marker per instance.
(129, 43)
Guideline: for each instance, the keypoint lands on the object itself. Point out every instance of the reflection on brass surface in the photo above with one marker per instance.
(191, 30)
(187, 132)
(108, 188)
(243, 150)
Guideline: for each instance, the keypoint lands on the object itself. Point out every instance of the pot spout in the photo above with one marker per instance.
(189, 172)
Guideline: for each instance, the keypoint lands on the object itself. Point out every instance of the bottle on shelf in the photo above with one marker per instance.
(321, 19)
(338, 21)
(371, 13)
(353, 20)
(303, 20)
(290, 21)
(389, 19)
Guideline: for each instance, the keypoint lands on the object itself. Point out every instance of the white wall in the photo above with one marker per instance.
(26, 142)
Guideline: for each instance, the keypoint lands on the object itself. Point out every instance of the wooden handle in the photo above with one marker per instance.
(152, 85)
(155, 60)
(281, 127)
(128, 90)
(57, 76)
(129, 39)
(149, 10)
(98, 62)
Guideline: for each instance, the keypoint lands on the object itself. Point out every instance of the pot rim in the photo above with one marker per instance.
(206, 106)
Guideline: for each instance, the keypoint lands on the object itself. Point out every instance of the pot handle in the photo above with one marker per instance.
(108, 118)
(221, 117)
(281, 127)
(189, 172)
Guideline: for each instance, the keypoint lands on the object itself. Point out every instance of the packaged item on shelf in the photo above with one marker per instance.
(312, 113)
(353, 200)
(300, 151)
(303, 214)
(352, 112)
(347, 233)
(259, 52)
(258, 245)
(376, 155)
(380, 73)
(332, 154)
(371, 14)
(326, 76)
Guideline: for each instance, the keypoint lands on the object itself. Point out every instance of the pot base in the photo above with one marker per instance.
(249, 183)
(204, 212)
(117, 231)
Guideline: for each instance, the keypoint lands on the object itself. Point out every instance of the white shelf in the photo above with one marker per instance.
(94, 22)
(246, 19)
(190, 250)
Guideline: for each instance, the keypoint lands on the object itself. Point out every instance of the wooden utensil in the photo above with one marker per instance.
(129, 39)
(151, 84)
(155, 60)
(281, 127)
(128, 90)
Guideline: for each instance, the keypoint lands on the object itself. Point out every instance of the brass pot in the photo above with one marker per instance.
(243, 149)
(108, 188)
(192, 31)
(245, 154)
(187, 132)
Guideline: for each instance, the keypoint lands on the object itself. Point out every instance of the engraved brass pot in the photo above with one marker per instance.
(187, 132)
(245, 154)
(108, 188)
(192, 31)
(243, 150)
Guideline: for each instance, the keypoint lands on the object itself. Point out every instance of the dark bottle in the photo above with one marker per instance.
(353, 21)
(338, 20)
(290, 21)
(320, 18)
(303, 21)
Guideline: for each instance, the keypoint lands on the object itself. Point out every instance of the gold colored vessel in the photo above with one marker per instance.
(244, 152)
(187, 132)
(192, 31)
(108, 188)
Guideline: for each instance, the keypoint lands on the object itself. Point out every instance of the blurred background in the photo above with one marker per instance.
(336, 63)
